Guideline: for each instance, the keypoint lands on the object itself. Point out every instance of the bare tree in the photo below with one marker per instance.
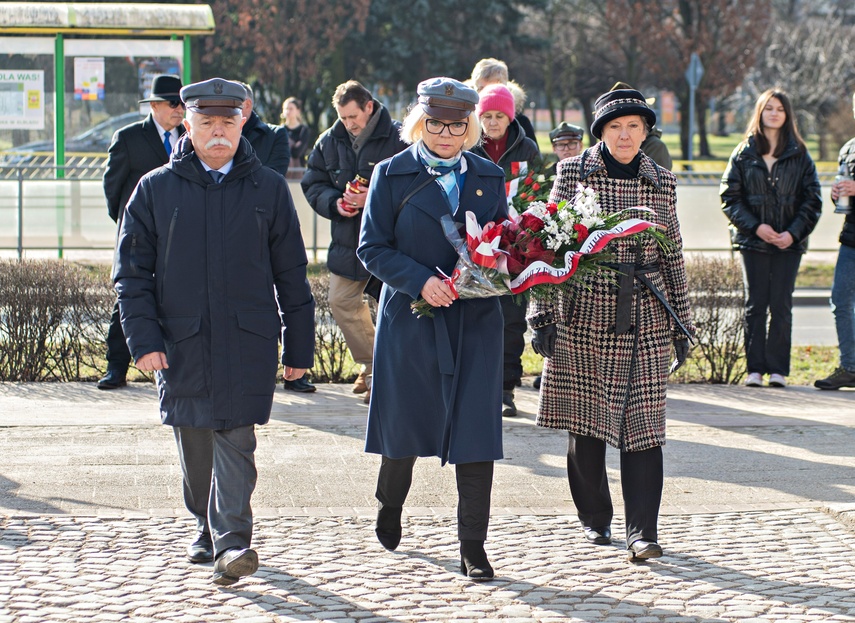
(287, 47)
(553, 63)
(812, 61)
(724, 33)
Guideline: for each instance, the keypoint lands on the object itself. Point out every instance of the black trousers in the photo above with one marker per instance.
(770, 279)
(641, 478)
(514, 335)
(474, 486)
(118, 355)
(219, 473)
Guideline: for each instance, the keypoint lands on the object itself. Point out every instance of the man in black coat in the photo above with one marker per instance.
(363, 135)
(211, 275)
(270, 142)
(135, 150)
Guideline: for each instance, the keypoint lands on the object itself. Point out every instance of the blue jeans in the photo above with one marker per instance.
(770, 279)
(843, 305)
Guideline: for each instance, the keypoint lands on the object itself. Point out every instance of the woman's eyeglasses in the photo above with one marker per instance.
(455, 128)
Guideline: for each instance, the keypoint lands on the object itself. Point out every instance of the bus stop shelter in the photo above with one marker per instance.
(71, 74)
(67, 66)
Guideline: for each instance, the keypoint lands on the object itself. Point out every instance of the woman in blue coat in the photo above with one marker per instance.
(437, 381)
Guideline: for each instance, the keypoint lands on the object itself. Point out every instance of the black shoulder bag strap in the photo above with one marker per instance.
(410, 196)
(372, 288)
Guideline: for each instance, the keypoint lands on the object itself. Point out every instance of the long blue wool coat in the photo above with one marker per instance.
(437, 382)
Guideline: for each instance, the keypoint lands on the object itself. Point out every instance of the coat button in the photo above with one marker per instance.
(479, 192)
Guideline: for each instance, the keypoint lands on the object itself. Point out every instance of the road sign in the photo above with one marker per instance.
(695, 71)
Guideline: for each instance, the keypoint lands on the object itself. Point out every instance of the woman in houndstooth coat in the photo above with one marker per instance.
(607, 343)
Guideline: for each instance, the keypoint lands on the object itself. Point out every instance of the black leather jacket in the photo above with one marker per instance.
(787, 198)
(847, 156)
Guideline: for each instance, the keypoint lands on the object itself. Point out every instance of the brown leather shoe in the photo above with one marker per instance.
(360, 386)
(367, 397)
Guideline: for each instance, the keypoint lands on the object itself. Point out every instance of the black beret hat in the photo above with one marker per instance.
(620, 103)
(446, 98)
(566, 131)
(164, 87)
(216, 96)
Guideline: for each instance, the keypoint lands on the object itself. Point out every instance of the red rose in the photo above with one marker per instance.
(552, 207)
(534, 251)
(516, 261)
(530, 222)
(581, 231)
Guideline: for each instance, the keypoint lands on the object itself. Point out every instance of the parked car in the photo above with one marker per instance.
(95, 140)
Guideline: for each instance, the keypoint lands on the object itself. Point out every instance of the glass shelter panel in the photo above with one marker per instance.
(26, 92)
(104, 81)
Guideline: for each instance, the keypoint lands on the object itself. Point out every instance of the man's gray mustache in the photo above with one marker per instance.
(218, 141)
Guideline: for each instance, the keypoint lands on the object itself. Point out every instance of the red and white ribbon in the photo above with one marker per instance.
(542, 273)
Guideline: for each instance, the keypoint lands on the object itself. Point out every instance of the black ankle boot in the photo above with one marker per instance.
(388, 528)
(473, 561)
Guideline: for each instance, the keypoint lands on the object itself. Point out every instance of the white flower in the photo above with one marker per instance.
(538, 209)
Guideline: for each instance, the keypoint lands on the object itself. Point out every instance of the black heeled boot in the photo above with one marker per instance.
(388, 528)
(473, 561)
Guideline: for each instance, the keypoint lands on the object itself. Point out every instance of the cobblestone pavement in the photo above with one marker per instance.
(793, 565)
(758, 519)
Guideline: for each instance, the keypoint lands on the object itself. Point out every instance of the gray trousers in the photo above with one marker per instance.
(219, 478)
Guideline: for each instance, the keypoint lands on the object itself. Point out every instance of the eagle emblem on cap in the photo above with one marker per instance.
(218, 88)
(449, 90)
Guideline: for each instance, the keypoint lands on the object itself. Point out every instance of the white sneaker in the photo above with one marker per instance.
(777, 380)
(754, 379)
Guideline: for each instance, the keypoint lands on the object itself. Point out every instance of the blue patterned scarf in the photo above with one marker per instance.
(447, 171)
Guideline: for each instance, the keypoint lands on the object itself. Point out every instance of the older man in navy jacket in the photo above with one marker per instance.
(210, 269)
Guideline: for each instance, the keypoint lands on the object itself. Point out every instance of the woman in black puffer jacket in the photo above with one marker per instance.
(771, 194)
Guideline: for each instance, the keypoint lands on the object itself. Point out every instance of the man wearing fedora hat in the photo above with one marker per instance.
(211, 274)
(135, 150)
(653, 145)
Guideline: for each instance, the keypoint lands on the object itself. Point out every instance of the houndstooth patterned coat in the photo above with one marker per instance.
(595, 384)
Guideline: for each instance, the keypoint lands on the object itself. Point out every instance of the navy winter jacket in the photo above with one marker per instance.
(332, 164)
(214, 275)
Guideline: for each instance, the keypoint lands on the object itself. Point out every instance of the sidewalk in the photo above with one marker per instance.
(758, 518)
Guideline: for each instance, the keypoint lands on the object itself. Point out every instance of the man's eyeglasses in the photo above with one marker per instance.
(175, 103)
(455, 128)
(565, 145)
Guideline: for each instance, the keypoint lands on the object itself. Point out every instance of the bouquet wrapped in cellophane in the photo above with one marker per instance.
(546, 247)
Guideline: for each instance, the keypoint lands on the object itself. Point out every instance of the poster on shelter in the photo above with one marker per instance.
(88, 79)
(22, 99)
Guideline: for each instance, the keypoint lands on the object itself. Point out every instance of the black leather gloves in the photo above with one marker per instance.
(543, 341)
(681, 351)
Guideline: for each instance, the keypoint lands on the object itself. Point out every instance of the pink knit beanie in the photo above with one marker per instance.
(496, 97)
